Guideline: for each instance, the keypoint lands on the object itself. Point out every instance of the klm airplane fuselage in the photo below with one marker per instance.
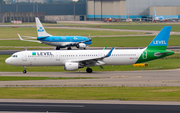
(64, 41)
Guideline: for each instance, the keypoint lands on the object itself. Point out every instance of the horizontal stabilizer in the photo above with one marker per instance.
(30, 37)
(159, 54)
(29, 40)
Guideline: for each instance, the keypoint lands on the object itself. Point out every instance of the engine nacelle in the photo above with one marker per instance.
(71, 66)
(81, 45)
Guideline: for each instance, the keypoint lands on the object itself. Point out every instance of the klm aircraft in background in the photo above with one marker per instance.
(58, 41)
(158, 18)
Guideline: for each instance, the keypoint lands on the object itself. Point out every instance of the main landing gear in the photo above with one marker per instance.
(89, 70)
(57, 48)
(24, 71)
(69, 48)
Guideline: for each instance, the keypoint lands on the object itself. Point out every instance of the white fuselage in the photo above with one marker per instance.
(60, 57)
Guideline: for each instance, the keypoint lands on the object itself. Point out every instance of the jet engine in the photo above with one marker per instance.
(71, 66)
(81, 45)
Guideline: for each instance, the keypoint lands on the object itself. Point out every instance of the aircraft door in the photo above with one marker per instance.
(24, 56)
(50, 39)
(57, 56)
(144, 55)
(99, 54)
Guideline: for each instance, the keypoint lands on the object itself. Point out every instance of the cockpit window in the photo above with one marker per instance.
(14, 56)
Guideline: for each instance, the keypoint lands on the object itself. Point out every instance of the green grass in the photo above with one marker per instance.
(130, 41)
(19, 43)
(8, 32)
(171, 62)
(131, 25)
(125, 41)
(15, 78)
(94, 93)
(117, 25)
(141, 27)
(22, 48)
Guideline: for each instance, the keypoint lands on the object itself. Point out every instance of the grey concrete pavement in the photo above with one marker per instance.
(91, 101)
(106, 79)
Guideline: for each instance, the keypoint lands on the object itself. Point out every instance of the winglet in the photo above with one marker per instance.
(109, 54)
(105, 48)
(89, 37)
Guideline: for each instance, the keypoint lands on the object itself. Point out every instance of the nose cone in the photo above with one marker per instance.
(8, 61)
(89, 42)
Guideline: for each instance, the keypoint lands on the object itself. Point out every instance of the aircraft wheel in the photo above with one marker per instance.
(69, 48)
(24, 71)
(57, 48)
(89, 70)
(77, 45)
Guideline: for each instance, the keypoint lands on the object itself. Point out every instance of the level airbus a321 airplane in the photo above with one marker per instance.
(75, 59)
(58, 41)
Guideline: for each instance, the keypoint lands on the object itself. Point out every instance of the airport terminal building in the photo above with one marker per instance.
(83, 10)
(100, 9)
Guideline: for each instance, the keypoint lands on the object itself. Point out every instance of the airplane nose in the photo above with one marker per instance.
(7, 61)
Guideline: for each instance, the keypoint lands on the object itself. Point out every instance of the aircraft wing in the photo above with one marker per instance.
(93, 61)
(29, 40)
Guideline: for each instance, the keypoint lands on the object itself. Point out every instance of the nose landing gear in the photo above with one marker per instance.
(24, 71)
